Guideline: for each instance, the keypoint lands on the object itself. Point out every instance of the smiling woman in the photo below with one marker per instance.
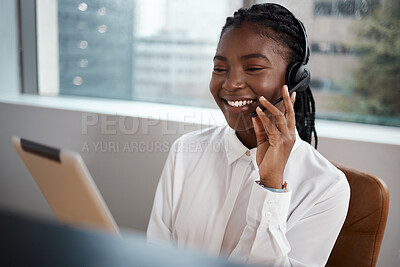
(236, 201)
(278, 57)
(174, 65)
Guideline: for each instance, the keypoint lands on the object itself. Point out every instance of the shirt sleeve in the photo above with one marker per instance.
(159, 229)
(265, 239)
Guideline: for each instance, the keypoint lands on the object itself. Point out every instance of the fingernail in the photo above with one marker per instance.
(263, 98)
(258, 108)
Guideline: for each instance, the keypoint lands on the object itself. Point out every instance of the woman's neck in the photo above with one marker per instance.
(248, 138)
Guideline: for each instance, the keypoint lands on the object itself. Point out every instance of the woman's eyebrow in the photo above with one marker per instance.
(254, 56)
(222, 58)
(219, 57)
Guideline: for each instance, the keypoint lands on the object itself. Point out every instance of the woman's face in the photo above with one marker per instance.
(246, 66)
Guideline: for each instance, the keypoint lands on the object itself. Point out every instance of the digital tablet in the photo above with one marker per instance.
(67, 185)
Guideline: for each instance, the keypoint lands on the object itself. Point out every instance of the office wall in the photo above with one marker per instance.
(127, 180)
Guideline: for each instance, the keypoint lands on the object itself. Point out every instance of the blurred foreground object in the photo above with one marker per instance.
(31, 242)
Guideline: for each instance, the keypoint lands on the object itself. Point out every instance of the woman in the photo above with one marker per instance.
(227, 197)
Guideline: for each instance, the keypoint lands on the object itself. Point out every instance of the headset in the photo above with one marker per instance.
(298, 74)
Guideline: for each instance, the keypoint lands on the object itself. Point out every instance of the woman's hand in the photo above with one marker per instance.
(275, 133)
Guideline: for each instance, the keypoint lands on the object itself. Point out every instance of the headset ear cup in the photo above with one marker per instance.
(290, 77)
(295, 73)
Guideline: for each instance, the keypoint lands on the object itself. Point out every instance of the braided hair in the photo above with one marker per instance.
(278, 23)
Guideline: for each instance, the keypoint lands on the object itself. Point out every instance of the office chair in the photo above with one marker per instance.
(361, 236)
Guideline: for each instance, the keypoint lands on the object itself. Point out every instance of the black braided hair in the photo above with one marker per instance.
(278, 23)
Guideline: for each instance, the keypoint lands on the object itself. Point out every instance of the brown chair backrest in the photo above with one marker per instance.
(361, 236)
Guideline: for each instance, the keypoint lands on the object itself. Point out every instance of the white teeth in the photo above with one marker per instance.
(239, 103)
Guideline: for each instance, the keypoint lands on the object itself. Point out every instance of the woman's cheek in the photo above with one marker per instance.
(263, 87)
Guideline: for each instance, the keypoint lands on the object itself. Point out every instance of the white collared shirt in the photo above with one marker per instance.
(207, 199)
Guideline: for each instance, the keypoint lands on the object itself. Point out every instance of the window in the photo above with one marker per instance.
(323, 8)
(344, 7)
(158, 51)
(96, 48)
(330, 48)
(162, 51)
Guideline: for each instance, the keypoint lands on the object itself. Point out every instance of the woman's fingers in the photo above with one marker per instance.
(261, 134)
(276, 122)
(289, 111)
(280, 119)
(269, 127)
(293, 98)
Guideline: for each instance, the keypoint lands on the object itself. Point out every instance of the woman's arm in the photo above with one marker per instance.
(265, 239)
(276, 134)
(159, 229)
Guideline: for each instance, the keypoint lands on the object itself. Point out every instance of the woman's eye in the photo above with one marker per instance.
(254, 69)
(219, 70)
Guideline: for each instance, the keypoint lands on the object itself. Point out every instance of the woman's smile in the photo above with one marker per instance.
(237, 104)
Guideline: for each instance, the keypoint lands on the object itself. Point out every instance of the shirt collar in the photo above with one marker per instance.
(235, 149)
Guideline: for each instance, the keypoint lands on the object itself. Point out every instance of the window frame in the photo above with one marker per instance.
(27, 46)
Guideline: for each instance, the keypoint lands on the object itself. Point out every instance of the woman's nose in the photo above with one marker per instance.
(233, 81)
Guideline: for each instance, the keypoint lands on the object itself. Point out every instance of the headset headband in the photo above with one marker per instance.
(305, 41)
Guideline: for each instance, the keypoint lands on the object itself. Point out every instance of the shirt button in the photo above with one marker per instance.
(248, 153)
(269, 214)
